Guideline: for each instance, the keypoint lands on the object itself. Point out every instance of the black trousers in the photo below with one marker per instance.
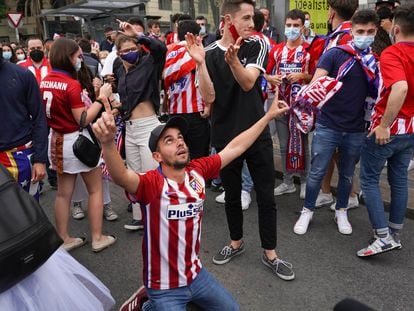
(259, 158)
(198, 135)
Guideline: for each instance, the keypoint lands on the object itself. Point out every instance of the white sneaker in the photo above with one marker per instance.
(302, 224)
(108, 213)
(246, 199)
(284, 188)
(379, 245)
(323, 199)
(77, 211)
(341, 218)
(220, 198)
(302, 194)
(411, 165)
(353, 202)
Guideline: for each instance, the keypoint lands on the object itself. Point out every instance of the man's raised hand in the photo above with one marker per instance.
(278, 108)
(230, 56)
(195, 47)
(127, 29)
(105, 127)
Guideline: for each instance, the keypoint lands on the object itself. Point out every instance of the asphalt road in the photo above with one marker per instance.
(327, 269)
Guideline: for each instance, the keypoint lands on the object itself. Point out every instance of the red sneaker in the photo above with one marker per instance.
(135, 302)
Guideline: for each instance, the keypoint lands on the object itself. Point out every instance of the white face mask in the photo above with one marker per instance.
(292, 33)
(363, 42)
(307, 24)
(7, 55)
(20, 56)
(202, 30)
(78, 64)
(103, 61)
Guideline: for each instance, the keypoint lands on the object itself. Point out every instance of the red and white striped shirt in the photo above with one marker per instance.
(269, 42)
(171, 38)
(180, 81)
(396, 64)
(41, 72)
(284, 61)
(172, 215)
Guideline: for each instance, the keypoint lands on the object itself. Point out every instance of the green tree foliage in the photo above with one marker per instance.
(3, 9)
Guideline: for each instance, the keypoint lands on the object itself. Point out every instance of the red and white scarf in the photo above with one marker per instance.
(313, 96)
(302, 117)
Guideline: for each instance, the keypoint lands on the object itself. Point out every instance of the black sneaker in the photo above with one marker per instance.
(283, 269)
(216, 187)
(135, 224)
(227, 253)
(53, 185)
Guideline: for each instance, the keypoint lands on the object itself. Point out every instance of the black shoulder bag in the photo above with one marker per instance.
(87, 151)
(27, 238)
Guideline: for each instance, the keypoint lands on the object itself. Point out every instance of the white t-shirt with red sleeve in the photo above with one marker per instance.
(172, 215)
(396, 64)
(61, 93)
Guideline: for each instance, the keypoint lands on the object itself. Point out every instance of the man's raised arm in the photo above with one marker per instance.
(105, 130)
(244, 140)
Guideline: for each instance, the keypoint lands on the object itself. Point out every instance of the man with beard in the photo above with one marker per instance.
(172, 198)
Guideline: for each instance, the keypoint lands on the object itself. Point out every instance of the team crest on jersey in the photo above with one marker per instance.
(196, 185)
(299, 56)
(179, 84)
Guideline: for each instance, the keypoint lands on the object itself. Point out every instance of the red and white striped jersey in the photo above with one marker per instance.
(171, 38)
(41, 72)
(180, 81)
(284, 61)
(172, 215)
(396, 64)
(269, 42)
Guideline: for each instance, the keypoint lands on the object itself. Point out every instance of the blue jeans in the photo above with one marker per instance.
(397, 153)
(282, 127)
(325, 142)
(205, 291)
(247, 182)
(216, 180)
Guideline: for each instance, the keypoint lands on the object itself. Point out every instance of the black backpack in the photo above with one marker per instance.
(27, 238)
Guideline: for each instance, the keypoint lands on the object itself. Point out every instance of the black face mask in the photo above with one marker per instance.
(37, 55)
(330, 28)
